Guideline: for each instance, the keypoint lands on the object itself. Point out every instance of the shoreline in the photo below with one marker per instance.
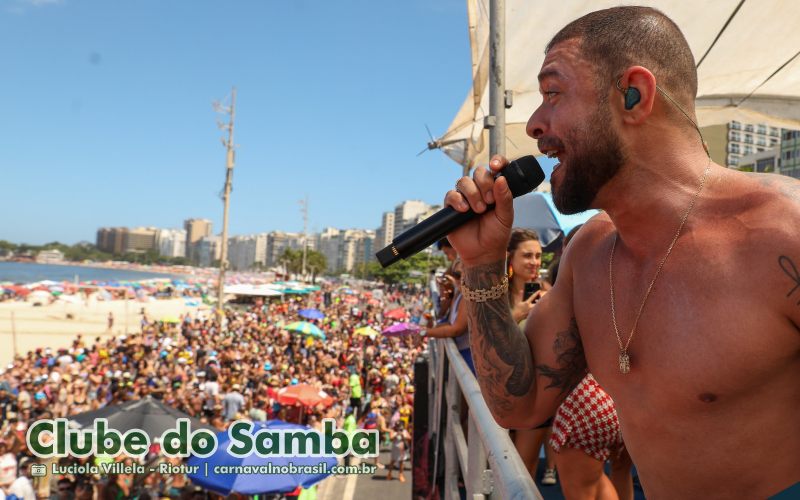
(33, 327)
(186, 272)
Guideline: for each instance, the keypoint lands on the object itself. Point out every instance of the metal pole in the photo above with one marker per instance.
(497, 84)
(223, 258)
(304, 203)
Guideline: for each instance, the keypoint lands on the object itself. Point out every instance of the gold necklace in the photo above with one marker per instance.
(624, 358)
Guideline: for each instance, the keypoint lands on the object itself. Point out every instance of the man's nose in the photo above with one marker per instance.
(536, 124)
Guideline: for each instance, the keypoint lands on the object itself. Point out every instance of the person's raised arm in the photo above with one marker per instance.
(447, 330)
(517, 372)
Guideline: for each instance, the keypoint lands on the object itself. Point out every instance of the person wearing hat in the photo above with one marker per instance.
(232, 403)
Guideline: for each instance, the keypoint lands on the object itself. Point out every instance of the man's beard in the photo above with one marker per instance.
(595, 156)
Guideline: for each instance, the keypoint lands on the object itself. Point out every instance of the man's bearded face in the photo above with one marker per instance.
(593, 156)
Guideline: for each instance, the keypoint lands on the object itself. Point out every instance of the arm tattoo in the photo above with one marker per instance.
(570, 358)
(790, 269)
(500, 351)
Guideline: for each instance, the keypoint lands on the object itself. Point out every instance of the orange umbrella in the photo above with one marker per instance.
(305, 395)
(398, 313)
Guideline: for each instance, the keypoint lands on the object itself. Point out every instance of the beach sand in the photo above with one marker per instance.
(48, 326)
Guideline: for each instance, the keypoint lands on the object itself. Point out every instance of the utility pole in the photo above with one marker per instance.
(304, 209)
(226, 193)
(499, 99)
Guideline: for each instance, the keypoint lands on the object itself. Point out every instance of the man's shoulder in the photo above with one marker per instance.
(771, 191)
(768, 202)
(787, 188)
(591, 232)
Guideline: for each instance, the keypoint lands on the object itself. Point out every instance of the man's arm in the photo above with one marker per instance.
(524, 377)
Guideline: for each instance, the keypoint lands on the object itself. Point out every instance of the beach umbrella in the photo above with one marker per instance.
(19, 290)
(305, 328)
(366, 331)
(399, 329)
(148, 415)
(398, 313)
(170, 319)
(255, 483)
(304, 394)
(311, 313)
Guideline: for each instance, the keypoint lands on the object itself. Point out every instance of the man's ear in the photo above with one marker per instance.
(637, 86)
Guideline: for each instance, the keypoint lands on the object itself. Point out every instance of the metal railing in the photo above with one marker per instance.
(488, 462)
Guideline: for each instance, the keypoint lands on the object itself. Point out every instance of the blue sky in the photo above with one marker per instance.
(108, 120)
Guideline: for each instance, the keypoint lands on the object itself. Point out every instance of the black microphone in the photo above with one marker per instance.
(522, 174)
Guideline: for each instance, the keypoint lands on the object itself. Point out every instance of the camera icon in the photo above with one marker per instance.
(38, 470)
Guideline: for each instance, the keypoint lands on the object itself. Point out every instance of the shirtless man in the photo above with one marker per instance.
(709, 407)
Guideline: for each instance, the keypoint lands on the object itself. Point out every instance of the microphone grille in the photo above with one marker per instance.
(523, 175)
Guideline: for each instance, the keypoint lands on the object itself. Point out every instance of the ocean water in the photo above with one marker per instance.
(23, 272)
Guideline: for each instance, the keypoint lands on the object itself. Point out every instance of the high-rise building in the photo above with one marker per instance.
(345, 249)
(385, 234)
(171, 242)
(328, 245)
(208, 250)
(196, 229)
(768, 161)
(790, 153)
(278, 241)
(728, 142)
(244, 252)
(406, 212)
(110, 239)
(139, 240)
(357, 247)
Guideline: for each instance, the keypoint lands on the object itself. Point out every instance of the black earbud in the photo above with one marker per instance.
(632, 98)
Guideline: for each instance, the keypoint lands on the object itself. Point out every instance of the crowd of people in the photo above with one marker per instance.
(219, 370)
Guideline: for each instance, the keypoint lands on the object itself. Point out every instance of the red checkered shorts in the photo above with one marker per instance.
(587, 421)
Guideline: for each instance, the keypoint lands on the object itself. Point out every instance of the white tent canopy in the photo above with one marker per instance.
(252, 290)
(742, 49)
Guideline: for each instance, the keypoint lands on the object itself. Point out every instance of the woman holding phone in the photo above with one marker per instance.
(524, 259)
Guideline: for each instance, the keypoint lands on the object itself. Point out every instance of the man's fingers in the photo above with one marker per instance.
(470, 191)
(504, 202)
(484, 180)
(456, 200)
(498, 163)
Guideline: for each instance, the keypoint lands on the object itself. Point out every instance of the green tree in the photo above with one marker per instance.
(316, 263)
(412, 270)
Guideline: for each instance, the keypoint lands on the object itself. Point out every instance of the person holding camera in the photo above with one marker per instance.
(524, 288)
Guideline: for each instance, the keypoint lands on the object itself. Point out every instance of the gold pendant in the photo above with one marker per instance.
(624, 362)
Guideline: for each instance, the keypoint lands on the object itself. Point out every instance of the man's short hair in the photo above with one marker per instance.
(615, 39)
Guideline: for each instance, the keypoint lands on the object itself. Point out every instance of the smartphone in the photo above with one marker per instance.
(530, 289)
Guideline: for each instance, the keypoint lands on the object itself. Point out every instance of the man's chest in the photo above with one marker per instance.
(706, 331)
